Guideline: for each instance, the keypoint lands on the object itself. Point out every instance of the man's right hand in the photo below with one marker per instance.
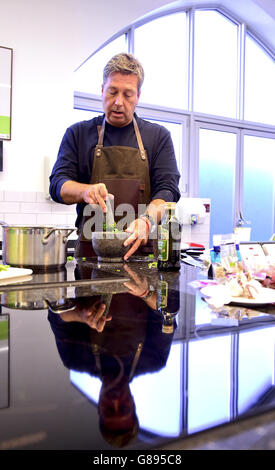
(96, 194)
(73, 192)
(90, 311)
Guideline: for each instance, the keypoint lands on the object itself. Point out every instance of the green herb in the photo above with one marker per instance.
(151, 256)
(153, 265)
(83, 258)
(70, 258)
(110, 227)
(4, 267)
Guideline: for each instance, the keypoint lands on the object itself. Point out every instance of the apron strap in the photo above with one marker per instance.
(101, 130)
(139, 140)
(96, 352)
(99, 146)
(135, 361)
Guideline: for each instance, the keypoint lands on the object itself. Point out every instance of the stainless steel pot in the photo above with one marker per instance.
(35, 246)
(37, 298)
(22, 300)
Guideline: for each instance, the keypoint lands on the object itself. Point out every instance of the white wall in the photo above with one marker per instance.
(50, 39)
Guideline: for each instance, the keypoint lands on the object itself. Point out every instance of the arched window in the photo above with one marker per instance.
(88, 77)
(211, 82)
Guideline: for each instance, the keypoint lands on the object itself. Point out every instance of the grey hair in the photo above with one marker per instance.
(126, 64)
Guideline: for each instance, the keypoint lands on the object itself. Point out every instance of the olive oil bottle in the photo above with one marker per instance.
(169, 238)
(168, 304)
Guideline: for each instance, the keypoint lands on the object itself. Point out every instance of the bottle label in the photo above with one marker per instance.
(163, 291)
(163, 244)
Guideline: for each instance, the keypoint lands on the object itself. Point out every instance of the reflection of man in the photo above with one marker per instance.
(130, 344)
(89, 310)
(120, 154)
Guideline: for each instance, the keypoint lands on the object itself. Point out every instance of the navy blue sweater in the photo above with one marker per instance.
(76, 153)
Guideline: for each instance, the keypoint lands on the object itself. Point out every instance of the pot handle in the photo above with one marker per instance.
(71, 230)
(69, 307)
(46, 237)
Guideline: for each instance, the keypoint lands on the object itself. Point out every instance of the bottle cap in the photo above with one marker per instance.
(171, 205)
(167, 329)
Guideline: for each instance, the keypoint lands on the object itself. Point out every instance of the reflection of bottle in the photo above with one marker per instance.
(169, 237)
(216, 269)
(168, 304)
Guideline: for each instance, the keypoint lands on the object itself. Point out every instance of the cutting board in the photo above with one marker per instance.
(14, 273)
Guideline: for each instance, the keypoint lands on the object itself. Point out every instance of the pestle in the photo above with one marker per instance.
(109, 215)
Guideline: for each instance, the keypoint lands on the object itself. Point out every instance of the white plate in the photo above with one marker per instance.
(11, 273)
(266, 296)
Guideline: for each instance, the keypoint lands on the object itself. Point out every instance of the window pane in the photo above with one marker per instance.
(160, 45)
(153, 416)
(217, 155)
(256, 366)
(83, 115)
(176, 136)
(88, 78)
(258, 194)
(208, 371)
(215, 64)
(259, 84)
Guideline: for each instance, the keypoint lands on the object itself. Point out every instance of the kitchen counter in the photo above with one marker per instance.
(148, 380)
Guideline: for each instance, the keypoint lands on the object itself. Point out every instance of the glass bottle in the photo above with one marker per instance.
(169, 238)
(168, 305)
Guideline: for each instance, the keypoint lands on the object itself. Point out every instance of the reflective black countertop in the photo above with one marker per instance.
(138, 383)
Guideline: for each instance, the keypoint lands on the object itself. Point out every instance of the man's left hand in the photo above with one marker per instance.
(138, 285)
(139, 230)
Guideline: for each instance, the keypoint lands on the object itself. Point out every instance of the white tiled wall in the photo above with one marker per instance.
(32, 208)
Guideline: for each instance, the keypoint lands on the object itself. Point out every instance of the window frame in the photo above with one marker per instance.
(253, 133)
(187, 117)
(240, 133)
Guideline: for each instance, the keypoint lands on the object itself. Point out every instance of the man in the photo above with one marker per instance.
(118, 154)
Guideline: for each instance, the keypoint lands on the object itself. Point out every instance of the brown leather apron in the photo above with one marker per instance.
(125, 172)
